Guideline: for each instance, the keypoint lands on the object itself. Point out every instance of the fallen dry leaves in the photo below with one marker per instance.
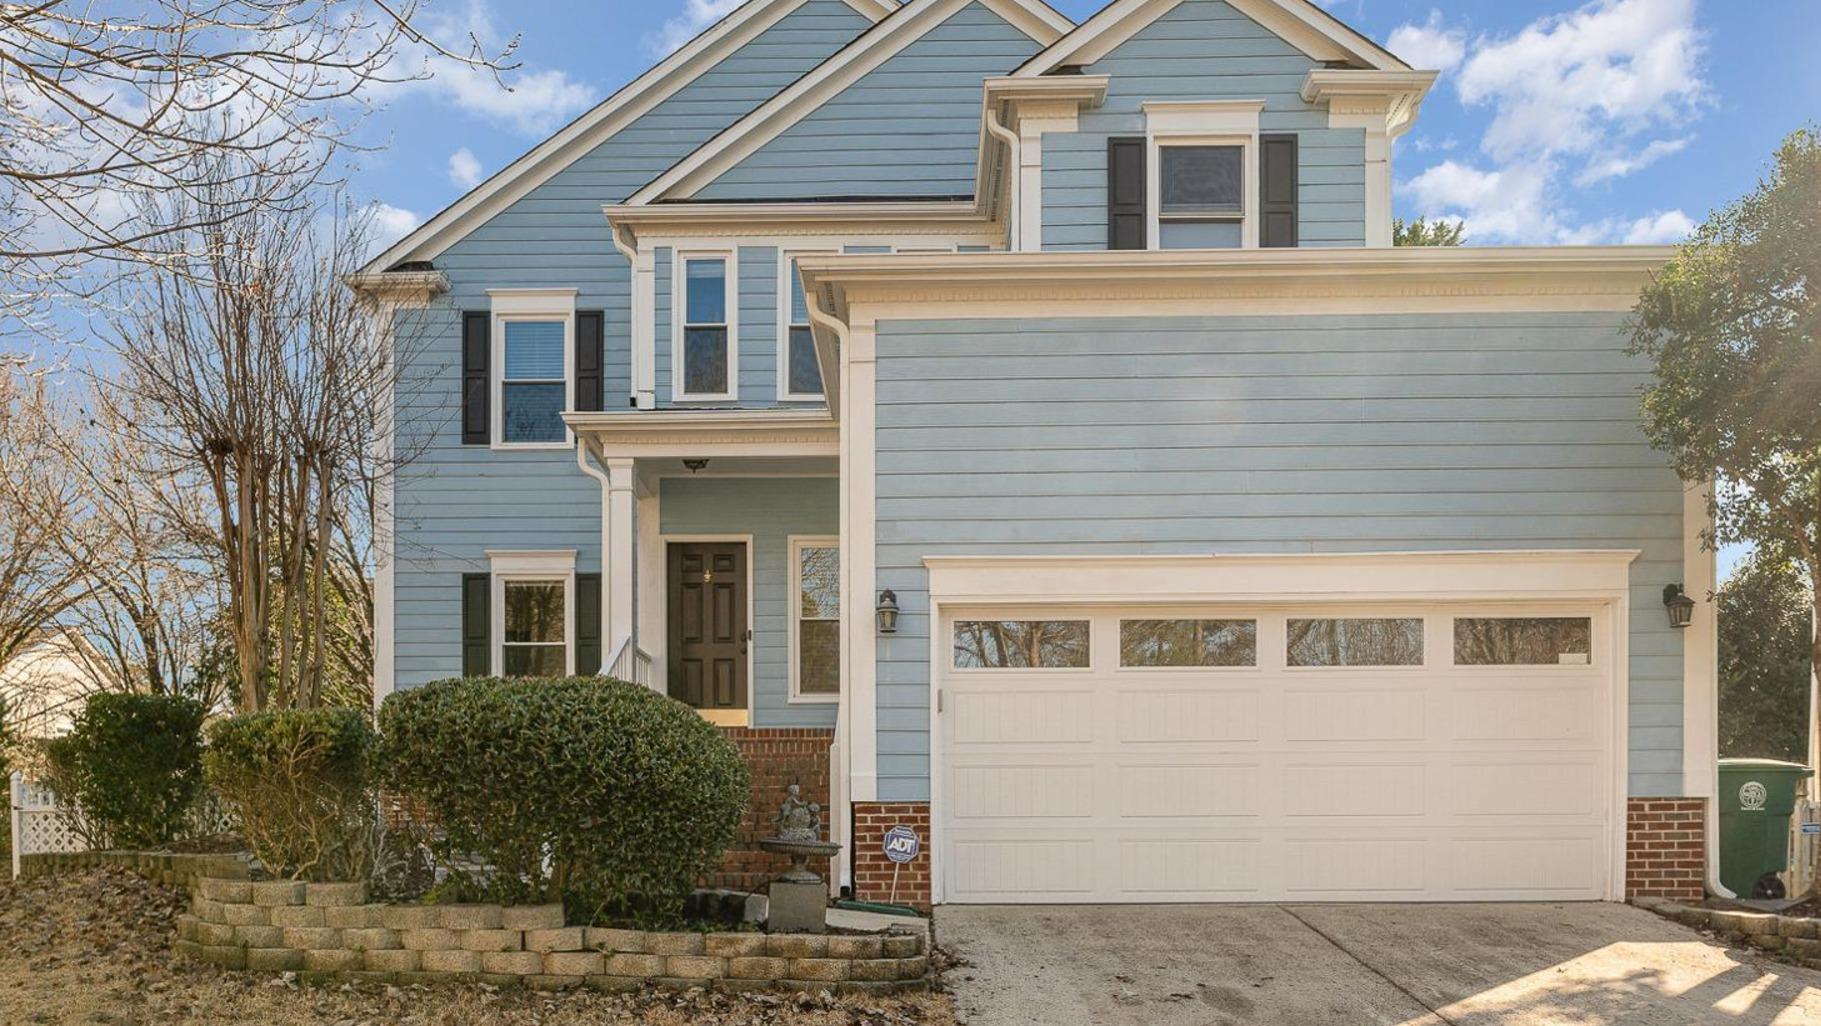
(94, 950)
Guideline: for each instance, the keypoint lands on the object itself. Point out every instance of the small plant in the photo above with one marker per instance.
(595, 792)
(297, 781)
(132, 767)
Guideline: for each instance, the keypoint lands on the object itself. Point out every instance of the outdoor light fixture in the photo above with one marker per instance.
(1681, 607)
(888, 612)
(695, 466)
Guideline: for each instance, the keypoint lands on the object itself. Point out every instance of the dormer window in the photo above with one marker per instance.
(1202, 203)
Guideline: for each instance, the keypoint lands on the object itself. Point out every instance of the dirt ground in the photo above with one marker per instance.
(94, 950)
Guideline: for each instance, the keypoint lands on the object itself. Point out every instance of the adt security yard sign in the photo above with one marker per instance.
(902, 844)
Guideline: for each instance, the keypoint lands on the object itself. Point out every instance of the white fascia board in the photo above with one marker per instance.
(597, 125)
(1300, 23)
(905, 26)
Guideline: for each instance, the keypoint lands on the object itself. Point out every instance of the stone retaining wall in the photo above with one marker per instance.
(1795, 938)
(168, 868)
(331, 929)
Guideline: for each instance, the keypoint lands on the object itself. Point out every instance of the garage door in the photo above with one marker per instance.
(1319, 753)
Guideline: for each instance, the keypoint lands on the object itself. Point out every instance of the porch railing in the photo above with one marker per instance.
(631, 663)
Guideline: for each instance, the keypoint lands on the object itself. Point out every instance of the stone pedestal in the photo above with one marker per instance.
(797, 908)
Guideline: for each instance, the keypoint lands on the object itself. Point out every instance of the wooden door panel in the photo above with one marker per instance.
(708, 639)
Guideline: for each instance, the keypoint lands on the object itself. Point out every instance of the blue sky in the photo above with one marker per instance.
(1553, 122)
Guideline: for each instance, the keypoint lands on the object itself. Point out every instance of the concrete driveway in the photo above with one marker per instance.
(1351, 965)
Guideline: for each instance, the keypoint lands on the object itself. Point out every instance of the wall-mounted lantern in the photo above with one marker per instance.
(1681, 608)
(888, 612)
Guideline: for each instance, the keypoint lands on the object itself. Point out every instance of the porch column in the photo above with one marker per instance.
(619, 554)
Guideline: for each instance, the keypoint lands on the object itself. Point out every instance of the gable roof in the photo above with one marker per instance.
(889, 37)
(599, 124)
(1301, 23)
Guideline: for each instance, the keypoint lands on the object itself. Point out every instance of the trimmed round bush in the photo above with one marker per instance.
(132, 765)
(594, 791)
(297, 781)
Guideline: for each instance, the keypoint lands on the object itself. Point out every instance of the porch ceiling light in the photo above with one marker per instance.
(1681, 608)
(888, 612)
(695, 466)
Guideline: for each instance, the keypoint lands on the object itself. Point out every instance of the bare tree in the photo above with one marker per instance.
(97, 107)
(38, 580)
(258, 372)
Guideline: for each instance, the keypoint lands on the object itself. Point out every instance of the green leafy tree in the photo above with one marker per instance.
(1423, 232)
(1731, 326)
(1764, 660)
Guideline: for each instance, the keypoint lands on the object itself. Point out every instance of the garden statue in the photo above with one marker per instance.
(799, 897)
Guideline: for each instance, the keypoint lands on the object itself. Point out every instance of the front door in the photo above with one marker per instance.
(708, 636)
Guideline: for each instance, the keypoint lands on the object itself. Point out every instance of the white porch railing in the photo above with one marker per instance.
(38, 825)
(631, 663)
(1805, 848)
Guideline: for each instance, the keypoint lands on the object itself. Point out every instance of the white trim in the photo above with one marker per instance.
(1202, 123)
(1596, 578)
(1299, 23)
(827, 80)
(664, 542)
(530, 566)
(1384, 105)
(679, 307)
(1700, 651)
(691, 433)
(785, 258)
(509, 305)
(595, 127)
(796, 543)
(859, 573)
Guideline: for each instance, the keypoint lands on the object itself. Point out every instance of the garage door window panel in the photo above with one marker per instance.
(1366, 641)
(1523, 641)
(1188, 643)
(1021, 644)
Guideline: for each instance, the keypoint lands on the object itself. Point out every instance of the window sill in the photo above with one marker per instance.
(814, 700)
(532, 446)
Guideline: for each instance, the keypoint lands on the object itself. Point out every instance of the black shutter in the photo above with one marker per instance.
(477, 346)
(587, 624)
(589, 378)
(1126, 193)
(477, 625)
(1277, 180)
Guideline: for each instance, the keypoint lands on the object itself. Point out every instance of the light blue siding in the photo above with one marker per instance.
(908, 128)
(771, 510)
(1205, 50)
(453, 501)
(1267, 434)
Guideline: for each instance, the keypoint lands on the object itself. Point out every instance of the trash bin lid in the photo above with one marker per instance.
(1762, 764)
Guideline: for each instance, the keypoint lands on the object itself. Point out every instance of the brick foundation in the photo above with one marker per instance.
(1666, 848)
(872, 870)
(776, 759)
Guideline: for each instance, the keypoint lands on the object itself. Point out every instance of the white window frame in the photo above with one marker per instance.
(679, 315)
(787, 257)
(528, 305)
(797, 544)
(1202, 123)
(535, 567)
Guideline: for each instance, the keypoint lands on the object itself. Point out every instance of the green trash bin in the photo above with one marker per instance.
(1757, 797)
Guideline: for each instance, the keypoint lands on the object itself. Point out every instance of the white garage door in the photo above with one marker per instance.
(1342, 753)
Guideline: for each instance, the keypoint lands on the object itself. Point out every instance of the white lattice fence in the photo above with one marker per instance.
(38, 825)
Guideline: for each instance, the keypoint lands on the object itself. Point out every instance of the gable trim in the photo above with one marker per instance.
(605, 120)
(890, 37)
(1300, 23)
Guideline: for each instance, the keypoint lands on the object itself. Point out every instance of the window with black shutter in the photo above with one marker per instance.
(1126, 193)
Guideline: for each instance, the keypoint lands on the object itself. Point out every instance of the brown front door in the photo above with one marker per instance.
(708, 624)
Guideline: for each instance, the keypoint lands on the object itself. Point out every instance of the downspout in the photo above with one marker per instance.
(1005, 135)
(599, 474)
(841, 774)
(637, 356)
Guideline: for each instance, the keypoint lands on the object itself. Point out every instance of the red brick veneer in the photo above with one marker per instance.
(776, 759)
(1666, 848)
(872, 870)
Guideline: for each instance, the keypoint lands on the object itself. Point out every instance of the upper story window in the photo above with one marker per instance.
(1202, 205)
(706, 358)
(533, 350)
(799, 378)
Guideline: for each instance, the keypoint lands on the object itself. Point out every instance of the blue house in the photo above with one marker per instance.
(1026, 432)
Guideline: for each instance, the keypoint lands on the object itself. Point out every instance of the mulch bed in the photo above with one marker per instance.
(94, 950)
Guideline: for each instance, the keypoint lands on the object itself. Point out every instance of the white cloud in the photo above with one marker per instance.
(1620, 165)
(464, 169)
(1575, 99)
(391, 224)
(696, 16)
(531, 102)
(1431, 46)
